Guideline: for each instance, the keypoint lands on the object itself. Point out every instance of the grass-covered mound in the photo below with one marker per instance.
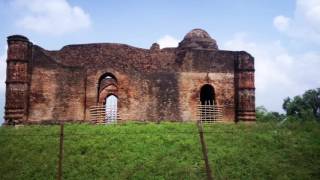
(162, 151)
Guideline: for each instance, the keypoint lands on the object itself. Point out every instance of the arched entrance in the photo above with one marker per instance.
(106, 108)
(108, 84)
(207, 95)
(208, 110)
(111, 108)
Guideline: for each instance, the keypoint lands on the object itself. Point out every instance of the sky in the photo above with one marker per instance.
(283, 36)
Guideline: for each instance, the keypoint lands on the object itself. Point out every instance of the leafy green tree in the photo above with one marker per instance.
(312, 99)
(306, 106)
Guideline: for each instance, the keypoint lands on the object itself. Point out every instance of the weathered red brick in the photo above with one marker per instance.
(156, 84)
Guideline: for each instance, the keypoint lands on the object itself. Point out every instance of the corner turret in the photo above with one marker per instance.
(17, 88)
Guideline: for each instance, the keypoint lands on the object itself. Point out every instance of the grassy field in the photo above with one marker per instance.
(162, 151)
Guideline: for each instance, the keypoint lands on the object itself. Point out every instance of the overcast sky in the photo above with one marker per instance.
(282, 35)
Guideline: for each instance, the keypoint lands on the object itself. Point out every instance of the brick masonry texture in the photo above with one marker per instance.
(151, 84)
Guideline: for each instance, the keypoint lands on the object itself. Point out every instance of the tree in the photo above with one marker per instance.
(312, 99)
(305, 106)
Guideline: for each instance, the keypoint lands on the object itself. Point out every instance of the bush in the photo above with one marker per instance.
(263, 115)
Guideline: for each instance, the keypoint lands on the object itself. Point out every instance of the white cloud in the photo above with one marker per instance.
(3, 66)
(168, 41)
(281, 22)
(305, 24)
(309, 10)
(279, 73)
(51, 16)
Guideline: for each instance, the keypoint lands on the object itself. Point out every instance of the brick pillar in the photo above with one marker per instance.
(17, 83)
(245, 88)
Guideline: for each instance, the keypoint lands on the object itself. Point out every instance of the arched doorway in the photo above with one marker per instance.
(106, 108)
(111, 108)
(208, 110)
(207, 95)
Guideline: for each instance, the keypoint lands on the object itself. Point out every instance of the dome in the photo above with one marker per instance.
(155, 47)
(198, 39)
(197, 33)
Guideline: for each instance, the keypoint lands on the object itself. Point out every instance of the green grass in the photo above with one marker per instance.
(162, 151)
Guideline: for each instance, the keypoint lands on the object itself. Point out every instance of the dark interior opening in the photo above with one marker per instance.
(207, 95)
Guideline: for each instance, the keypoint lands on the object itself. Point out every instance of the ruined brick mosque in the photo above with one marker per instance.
(172, 84)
